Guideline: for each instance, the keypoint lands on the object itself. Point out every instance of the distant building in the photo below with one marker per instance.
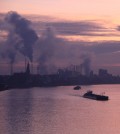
(91, 73)
(103, 72)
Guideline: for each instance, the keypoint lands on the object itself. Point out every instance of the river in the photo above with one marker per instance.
(59, 110)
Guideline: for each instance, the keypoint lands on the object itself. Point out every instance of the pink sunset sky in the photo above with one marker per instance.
(105, 11)
(94, 22)
(72, 9)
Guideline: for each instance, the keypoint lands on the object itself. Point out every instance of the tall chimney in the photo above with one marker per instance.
(25, 63)
(31, 67)
(11, 68)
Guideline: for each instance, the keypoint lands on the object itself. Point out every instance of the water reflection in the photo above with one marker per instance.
(31, 113)
(44, 109)
(19, 111)
(59, 111)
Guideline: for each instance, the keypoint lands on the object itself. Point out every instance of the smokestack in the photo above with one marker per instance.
(25, 63)
(28, 69)
(37, 69)
(81, 69)
(31, 67)
(11, 68)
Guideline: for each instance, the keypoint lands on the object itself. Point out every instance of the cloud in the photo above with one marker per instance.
(105, 47)
(90, 28)
(77, 28)
(69, 28)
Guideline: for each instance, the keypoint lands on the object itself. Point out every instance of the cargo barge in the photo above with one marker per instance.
(90, 95)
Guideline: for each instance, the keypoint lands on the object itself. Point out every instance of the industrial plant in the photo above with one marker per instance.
(58, 61)
(72, 75)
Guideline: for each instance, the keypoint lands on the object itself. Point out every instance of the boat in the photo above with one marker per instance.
(77, 88)
(90, 95)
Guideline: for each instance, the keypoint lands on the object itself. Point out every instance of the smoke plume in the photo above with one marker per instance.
(49, 50)
(26, 36)
(86, 64)
(55, 52)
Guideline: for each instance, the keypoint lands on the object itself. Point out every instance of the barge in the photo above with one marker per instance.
(90, 95)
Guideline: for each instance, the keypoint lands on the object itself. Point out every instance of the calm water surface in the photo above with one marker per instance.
(59, 110)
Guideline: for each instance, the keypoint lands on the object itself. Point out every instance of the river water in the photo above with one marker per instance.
(59, 110)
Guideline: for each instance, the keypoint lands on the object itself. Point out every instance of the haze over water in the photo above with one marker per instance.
(59, 110)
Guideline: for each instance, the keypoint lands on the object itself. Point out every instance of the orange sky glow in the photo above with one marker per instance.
(73, 9)
(106, 11)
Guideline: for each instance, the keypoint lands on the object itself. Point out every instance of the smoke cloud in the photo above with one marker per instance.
(26, 37)
(8, 48)
(49, 51)
(86, 64)
(55, 52)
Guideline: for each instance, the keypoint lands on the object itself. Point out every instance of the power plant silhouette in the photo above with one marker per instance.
(72, 75)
